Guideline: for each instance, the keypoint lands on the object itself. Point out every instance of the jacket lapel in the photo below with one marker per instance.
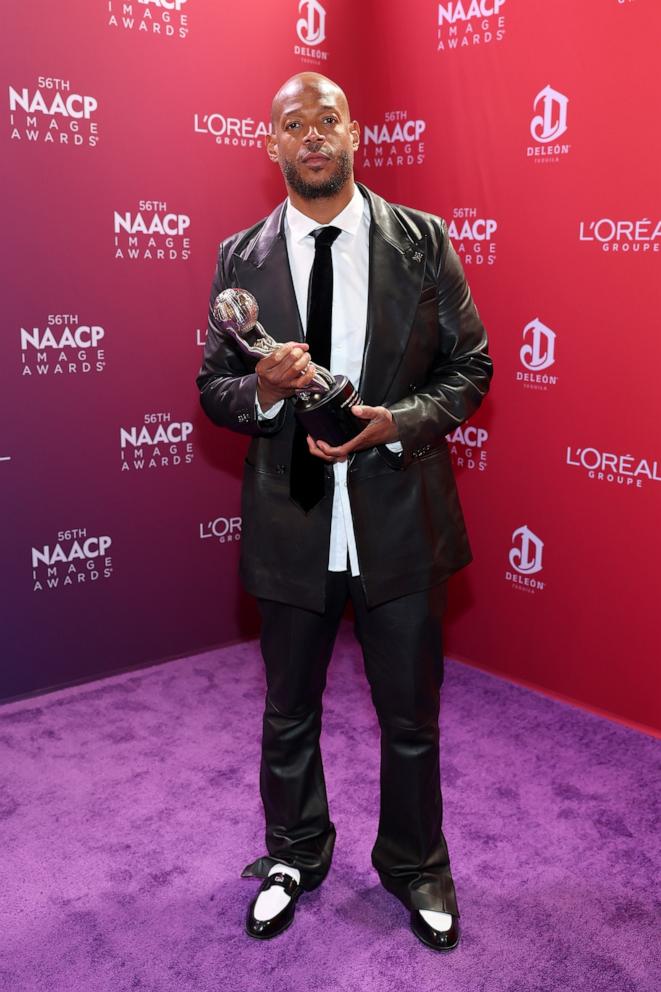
(397, 266)
(263, 269)
(396, 270)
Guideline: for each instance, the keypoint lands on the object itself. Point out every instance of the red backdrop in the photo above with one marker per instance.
(133, 143)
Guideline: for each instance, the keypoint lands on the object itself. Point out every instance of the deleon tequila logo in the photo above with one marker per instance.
(473, 236)
(165, 18)
(311, 31)
(73, 560)
(396, 141)
(547, 125)
(222, 529)
(525, 558)
(606, 466)
(152, 232)
(469, 23)
(623, 236)
(159, 442)
(467, 447)
(51, 114)
(537, 354)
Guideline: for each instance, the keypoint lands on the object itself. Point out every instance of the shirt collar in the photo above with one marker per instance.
(349, 219)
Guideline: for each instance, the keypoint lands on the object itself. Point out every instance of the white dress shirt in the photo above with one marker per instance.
(350, 254)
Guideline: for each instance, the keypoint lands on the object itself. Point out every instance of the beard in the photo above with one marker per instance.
(328, 187)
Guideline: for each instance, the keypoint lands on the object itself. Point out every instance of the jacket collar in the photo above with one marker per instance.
(398, 251)
(383, 217)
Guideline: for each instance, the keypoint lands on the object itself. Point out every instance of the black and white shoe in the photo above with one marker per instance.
(440, 940)
(272, 910)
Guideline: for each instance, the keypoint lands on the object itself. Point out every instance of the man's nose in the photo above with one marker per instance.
(313, 134)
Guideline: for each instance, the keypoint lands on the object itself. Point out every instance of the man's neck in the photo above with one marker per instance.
(325, 208)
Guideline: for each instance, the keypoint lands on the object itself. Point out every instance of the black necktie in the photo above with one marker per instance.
(306, 486)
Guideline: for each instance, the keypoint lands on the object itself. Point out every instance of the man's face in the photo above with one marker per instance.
(313, 139)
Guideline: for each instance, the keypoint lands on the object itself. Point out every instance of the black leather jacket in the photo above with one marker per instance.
(426, 359)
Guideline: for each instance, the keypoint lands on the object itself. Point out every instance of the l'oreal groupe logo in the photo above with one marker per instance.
(223, 529)
(622, 236)
(234, 132)
(629, 471)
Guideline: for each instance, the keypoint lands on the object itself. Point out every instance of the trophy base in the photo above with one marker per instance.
(327, 416)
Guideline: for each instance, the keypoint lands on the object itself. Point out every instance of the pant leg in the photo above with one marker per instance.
(402, 646)
(296, 646)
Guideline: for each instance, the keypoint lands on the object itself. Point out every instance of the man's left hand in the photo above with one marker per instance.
(380, 429)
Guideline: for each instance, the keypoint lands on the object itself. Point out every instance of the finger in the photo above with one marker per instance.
(370, 412)
(289, 361)
(338, 454)
(304, 379)
(299, 378)
(301, 363)
(283, 353)
(316, 450)
(366, 439)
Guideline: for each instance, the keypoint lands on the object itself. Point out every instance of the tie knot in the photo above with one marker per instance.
(325, 236)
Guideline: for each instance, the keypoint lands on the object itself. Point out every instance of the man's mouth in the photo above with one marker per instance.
(316, 158)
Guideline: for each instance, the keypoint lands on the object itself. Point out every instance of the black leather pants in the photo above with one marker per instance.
(403, 654)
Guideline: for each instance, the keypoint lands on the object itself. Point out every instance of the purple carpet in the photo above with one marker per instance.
(129, 806)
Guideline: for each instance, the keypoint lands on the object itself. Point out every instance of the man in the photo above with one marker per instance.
(377, 293)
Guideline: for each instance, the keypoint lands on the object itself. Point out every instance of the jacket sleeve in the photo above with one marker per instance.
(461, 371)
(227, 384)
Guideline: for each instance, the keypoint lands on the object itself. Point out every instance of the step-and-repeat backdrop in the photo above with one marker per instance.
(134, 142)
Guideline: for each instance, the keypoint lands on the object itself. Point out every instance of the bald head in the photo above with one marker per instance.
(314, 140)
(306, 86)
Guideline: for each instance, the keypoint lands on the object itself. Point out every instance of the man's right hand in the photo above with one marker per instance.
(282, 372)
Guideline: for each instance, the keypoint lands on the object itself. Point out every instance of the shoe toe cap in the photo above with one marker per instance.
(440, 940)
(271, 927)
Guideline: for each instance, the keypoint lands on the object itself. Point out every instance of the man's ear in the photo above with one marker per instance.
(354, 131)
(272, 147)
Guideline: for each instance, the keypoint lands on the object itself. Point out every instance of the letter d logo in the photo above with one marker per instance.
(552, 121)
(526, 553)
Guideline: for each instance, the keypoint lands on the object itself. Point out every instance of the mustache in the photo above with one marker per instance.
(316, 149)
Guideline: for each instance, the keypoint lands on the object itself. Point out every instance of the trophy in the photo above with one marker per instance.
(323, 408)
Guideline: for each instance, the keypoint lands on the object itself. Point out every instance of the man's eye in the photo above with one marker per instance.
(330, 120)
(291, 125)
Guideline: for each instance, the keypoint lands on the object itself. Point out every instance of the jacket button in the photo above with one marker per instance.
(412, 387)
(280, 469)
